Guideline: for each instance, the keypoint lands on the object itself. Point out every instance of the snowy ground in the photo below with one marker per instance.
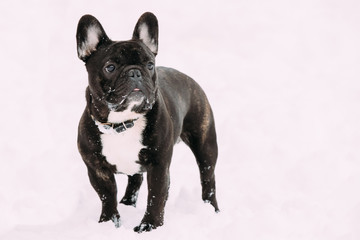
(283, 79)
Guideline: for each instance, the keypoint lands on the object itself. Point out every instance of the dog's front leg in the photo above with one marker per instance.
(103, 181)
(158, 186)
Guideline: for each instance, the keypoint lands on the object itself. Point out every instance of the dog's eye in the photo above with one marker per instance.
(150, 66)
(109, 68)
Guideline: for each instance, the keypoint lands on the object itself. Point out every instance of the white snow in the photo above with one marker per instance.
(283, 81)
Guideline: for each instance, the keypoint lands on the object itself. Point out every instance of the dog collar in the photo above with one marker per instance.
(111, 127)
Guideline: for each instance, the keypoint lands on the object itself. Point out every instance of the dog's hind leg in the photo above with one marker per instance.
(202, 142)
(132, 190)
(206, 156)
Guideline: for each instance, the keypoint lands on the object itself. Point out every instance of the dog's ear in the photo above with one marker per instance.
(147, 30)
(90, 35)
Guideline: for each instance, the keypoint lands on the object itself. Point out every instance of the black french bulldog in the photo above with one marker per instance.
(135, 113)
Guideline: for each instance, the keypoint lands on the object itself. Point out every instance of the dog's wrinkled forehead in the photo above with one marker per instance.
(129, 53)
(124, 53)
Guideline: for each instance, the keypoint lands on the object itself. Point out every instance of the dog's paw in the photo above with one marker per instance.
(115, 218)
(129, 201)
(144, 227)
(214, 204)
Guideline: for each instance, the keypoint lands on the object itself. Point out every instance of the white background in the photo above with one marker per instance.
(282, 77)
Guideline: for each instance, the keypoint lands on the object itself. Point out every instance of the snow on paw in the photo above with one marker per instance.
(144, 227)
(116, 220)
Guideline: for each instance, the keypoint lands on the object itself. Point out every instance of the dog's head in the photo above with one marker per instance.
(121, 73)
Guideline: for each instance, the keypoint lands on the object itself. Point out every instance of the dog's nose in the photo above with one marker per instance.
(134, 73)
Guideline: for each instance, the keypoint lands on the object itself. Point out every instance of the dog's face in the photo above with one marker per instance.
(121, 74)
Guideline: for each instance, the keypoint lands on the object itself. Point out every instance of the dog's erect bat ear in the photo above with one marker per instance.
(147, 30)
(90, 35)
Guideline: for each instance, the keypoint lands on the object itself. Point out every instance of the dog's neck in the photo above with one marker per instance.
(118, 122)
(108, 127)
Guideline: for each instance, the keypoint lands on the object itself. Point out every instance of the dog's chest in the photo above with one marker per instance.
(122, 149)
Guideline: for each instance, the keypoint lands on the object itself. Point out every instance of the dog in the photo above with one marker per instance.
(135, 113)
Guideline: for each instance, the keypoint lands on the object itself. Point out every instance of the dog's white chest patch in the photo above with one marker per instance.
(122, 149)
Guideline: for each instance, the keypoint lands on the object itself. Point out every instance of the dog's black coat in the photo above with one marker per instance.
(173, 104)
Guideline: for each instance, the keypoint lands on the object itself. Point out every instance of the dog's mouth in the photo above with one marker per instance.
(135, 101)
